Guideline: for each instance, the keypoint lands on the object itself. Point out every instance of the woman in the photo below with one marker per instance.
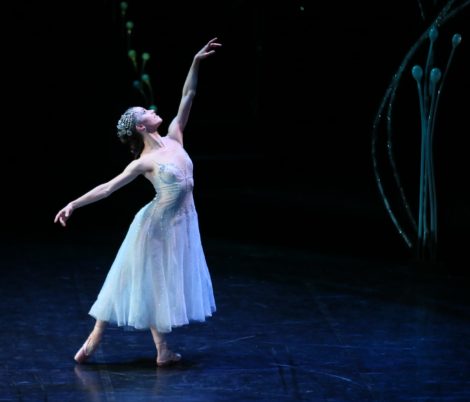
(159, 278)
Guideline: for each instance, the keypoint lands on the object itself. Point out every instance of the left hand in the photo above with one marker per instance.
(208, 49)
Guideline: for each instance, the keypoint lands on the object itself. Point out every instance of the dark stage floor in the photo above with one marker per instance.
(290, 325)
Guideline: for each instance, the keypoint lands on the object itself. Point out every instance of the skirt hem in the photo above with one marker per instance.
(130, 327)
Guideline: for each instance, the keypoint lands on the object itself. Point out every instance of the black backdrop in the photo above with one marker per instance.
(280, 131)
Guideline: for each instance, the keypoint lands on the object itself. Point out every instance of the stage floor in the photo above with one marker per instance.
(291, 325)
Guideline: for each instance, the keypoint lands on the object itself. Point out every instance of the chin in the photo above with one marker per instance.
(154, 126)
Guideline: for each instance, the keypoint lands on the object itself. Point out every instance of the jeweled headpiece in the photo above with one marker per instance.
(126, 124)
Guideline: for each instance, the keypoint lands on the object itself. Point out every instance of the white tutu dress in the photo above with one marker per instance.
(159, 277)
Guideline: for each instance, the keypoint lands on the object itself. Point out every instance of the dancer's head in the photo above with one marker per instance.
(134, 124)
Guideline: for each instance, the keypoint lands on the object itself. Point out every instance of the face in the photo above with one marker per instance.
(147, 118)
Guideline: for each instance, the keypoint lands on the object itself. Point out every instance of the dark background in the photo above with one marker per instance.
(280, 130)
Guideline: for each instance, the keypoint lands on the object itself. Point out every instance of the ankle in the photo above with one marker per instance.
(162, 346)
(97, 333)
(94, 339)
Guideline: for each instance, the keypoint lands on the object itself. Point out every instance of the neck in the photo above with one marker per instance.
(152, 142)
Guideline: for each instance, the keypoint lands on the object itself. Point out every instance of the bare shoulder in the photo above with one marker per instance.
(173, 140)
(141, 165)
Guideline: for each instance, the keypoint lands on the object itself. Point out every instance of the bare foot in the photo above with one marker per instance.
(87, 348)
(166, 356)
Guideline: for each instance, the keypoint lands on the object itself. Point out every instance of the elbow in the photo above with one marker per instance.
(189, 94)
(106, 191)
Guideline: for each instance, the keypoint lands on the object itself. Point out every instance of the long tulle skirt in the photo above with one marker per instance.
(159, 277)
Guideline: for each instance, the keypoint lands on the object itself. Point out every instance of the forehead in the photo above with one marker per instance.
(139, 110)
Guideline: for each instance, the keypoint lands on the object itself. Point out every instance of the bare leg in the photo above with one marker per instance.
(96, 335)
(158, 338)
(164, 355)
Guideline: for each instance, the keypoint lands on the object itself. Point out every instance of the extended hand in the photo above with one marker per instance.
(208, 49)
(63, 215)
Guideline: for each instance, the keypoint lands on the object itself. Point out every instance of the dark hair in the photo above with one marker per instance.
(128, 134)
(135, 142)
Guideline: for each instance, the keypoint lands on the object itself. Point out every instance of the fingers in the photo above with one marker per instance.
(212, 44)
(57, 217)
(209, 49)
(62, 217)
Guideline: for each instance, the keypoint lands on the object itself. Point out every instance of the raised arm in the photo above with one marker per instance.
(178, 124)
(104, 190)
